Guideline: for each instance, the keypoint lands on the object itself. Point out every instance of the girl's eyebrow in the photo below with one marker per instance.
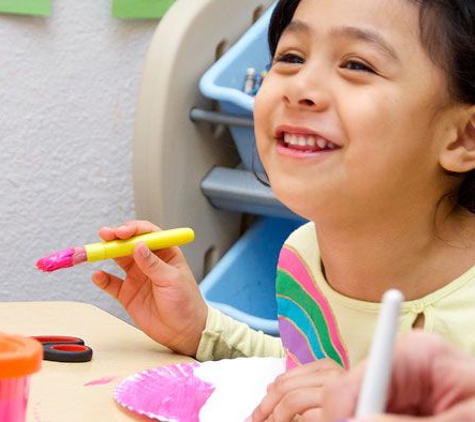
(371, 37)
(296, 26)
(367, 36)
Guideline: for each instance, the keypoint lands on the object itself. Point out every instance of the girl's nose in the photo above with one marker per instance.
(306, 92)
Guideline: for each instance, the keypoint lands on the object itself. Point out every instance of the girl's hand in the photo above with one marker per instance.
(158, 291)
(296, 394)
(431, 381)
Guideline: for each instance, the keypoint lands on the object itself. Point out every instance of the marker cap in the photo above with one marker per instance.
(19, 356)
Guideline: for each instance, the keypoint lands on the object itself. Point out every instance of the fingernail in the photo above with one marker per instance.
(143, 249)
(99, 276)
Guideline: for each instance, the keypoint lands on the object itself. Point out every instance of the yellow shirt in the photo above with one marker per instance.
(448, 312)
(226, 338)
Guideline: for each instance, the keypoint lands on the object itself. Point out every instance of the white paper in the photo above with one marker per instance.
(240, 385)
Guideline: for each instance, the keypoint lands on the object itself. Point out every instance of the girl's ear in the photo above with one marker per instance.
(458, 155)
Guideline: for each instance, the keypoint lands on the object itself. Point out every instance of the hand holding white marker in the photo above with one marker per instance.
(431, 381)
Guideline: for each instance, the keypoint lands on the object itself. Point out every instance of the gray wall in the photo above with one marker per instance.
(68, 89)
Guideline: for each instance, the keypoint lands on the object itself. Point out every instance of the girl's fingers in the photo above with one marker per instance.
(309, 376)
(282, 390)
(319, 366)
(296, 402)
(107, 234)
(134, 228)
(283, 385)
(153, 267)
(311, 415)
(127, 230)
(108, 282)
(125, 263)
(341, 394)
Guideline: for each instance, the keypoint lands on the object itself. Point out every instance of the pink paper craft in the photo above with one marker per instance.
(166, 393)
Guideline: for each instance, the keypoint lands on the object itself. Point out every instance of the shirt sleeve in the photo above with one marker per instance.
(226, 338)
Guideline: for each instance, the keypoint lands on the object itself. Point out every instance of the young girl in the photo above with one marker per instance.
(365, 126)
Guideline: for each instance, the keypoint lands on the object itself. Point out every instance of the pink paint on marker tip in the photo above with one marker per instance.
(61, 259)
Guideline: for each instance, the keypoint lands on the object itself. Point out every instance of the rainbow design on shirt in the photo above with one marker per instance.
(307, 325)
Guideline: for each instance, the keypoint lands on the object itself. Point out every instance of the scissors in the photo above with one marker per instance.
(64, 349)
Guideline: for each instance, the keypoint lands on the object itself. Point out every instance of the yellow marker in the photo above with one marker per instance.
(114, 248)
(156, 240)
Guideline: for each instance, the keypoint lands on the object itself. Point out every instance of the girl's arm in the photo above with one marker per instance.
(226, 338)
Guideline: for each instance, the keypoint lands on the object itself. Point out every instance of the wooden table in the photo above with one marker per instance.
(83, 392)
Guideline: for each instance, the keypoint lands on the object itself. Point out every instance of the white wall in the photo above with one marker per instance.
(68, 89)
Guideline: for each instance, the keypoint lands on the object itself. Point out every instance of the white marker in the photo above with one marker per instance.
(374, 391)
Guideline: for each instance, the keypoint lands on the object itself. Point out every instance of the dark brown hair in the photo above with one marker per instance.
(447, 32)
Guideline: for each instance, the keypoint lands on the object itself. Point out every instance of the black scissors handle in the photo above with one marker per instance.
(64, 349)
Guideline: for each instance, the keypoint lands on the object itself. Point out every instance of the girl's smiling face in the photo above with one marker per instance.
(353, 113)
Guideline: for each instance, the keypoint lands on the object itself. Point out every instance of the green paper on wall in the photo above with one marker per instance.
(140, 9)
(26, 7)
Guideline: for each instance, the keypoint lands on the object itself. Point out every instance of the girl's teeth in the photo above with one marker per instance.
(321, 143)
(308, 140)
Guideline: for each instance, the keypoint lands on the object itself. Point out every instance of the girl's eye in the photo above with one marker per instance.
(357, 66)
(288, 58)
